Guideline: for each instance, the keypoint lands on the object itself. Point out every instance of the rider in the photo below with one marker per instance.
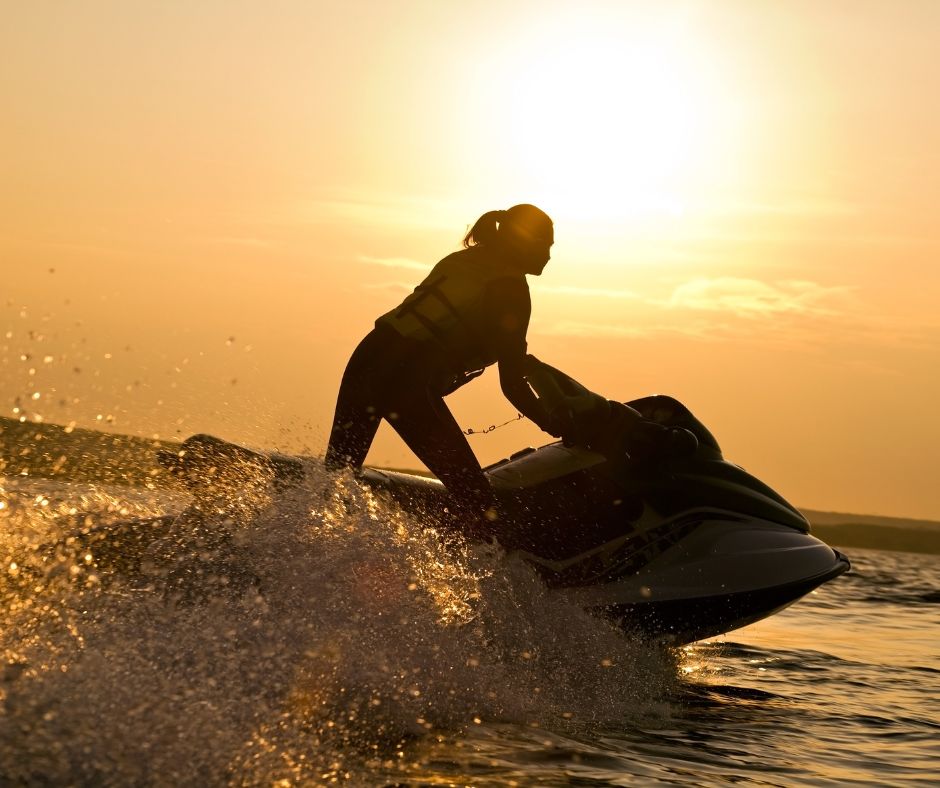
(471, 311)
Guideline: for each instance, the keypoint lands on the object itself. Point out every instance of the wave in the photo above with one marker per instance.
(361, 631)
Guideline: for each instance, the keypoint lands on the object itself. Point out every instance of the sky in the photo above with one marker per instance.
(204, 207)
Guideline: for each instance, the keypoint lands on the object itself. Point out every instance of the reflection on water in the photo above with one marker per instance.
(364, 650)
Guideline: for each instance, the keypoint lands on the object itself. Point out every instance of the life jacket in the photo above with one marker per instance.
(446, 312)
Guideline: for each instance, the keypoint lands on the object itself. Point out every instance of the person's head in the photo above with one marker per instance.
(524, 233)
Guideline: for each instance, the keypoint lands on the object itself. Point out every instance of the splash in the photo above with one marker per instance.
(327, 637)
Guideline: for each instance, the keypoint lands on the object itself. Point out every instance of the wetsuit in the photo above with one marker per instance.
(401, 371)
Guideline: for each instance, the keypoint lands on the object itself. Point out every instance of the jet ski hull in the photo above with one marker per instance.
(681, 621)
(692, 576)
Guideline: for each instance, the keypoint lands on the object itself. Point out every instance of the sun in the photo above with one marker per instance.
(612, 123)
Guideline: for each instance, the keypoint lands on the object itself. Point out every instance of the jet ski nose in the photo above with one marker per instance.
(843, 562)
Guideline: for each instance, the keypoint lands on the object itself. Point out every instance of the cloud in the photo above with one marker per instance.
(260, 243)
(395, 262)
(753, 298)
(592, 292)
(576, 328)
(794, 207)
(397, 287)
(68, 246)
(783, 317)
(375, 209)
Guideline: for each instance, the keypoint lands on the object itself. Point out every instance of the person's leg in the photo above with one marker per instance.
(428, 427)
(357, 415)
(354, 426)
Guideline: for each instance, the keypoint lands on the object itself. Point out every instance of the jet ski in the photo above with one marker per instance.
(635, 515)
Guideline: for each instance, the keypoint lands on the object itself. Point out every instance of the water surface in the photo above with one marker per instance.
(360, 650)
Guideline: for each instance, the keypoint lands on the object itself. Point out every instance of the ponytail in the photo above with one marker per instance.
(522, 223)
(485, 230)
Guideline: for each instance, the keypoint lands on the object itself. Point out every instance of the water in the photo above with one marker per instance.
(353, 647)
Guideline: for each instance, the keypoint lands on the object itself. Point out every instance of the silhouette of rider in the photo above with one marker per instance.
(471, 311)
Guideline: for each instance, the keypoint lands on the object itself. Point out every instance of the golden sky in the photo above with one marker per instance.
(204, 206)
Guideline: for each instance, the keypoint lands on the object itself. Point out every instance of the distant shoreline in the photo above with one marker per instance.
(875, 533)
(80, 455)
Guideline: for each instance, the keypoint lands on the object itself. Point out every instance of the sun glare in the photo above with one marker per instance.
(611, 125)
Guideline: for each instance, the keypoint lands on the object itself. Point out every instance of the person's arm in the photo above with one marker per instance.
(511, 309)
(515, 388)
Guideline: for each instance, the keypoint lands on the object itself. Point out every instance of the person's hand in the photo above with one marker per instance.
(649, 440)
(561, 423)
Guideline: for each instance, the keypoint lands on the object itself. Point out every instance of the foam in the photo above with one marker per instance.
(360, 635)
